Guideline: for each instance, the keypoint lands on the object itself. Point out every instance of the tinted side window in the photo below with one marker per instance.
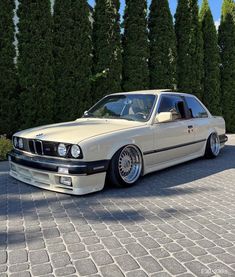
(195, 108)
(173, 104)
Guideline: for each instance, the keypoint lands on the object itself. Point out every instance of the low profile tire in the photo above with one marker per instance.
(125, 167)
(212, 146)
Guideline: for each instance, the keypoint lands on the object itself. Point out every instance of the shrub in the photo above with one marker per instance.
(5, 147)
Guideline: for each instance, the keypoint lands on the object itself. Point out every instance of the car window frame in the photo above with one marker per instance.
(187, 113)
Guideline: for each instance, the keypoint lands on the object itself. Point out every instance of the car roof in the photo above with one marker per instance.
(154, 92)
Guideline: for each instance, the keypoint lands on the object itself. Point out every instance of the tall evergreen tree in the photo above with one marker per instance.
(162, 61)
(107, 48)
(35, 62)
(227, 48)
(8, 77)
(135, 46)
(189, 47)
(72, 58)
(211, 81)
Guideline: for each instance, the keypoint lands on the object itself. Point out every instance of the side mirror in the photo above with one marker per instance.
(164, 117)
(85, 113)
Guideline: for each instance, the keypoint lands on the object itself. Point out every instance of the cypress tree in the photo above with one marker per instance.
(72, 58)
(227, 48)
(189, 47)
(211, 80)
(35, 62)
(8, 77)
(162, 61)
(135, 46)
(107, 48)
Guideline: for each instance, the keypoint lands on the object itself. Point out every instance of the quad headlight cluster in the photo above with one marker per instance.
(18, 142)
(69, 150)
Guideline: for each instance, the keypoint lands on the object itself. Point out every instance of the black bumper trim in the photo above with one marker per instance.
(74, 167)
(223, 138)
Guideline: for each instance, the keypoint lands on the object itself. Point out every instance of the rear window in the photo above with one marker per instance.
(195, 108)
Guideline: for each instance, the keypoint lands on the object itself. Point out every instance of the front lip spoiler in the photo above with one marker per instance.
(74, 167)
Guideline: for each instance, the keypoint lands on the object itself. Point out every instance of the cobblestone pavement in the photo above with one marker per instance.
(177, 222)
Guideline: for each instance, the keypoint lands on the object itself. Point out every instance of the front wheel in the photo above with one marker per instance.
(126, 166)
(212, 146)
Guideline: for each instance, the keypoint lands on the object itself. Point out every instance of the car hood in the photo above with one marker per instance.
(77, 131)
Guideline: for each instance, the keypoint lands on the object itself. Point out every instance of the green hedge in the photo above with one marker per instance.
(5, 147)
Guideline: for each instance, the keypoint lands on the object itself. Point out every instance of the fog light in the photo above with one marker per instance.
(63, 170)
(67, 181)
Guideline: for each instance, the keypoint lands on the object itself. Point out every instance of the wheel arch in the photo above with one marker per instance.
(123, 145)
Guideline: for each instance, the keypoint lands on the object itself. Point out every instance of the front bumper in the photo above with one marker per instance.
(43, 172)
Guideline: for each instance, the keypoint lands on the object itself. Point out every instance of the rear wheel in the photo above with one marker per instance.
(126, 166)
(212, 146)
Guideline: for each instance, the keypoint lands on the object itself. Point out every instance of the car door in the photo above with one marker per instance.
(200, 121)
(173, 140)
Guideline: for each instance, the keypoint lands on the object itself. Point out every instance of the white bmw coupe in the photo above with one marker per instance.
(123, 136)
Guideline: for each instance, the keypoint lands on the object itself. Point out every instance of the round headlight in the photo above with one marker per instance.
(15, 142)
(75, 151)
(62, 150)
(20, 143)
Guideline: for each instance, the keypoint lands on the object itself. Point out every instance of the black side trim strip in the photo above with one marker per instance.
(173, 147)
(74, 167)
(223, 138)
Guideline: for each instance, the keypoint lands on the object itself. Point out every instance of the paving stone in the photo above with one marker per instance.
(66, 228)
(56, 248)
(136, 250)
(18, 267)
(183, 256)
(76, 247)
(18, 256)
(102, 258)
(3, 268)
(197, 251)
(60, 259)
(111, 271)
(36, 244)
(185, 242)
(173, 247)
(20, 274)
(117, 252)
(80, 255)
(91, 240)
(198, 269)
(226, 258)
(38, 257)
(172, 265)
(51, 233)
(39, 270)
(148, 242)
(207, 259)
(3, 257)
(85, 267)
(159, 253)
(221, 269)
(149, 264)
(126, 262)
(111, 242)
(64, 271)
(136, 273)
(95, 247)
(71, 238)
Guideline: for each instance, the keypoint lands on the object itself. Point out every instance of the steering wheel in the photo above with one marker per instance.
(140, 115)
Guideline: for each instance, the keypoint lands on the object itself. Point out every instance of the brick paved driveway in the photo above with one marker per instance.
(177, 222)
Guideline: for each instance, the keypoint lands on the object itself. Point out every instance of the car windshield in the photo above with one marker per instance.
(136, 107)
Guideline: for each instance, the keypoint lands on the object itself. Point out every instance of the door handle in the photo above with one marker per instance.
(190, 126)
